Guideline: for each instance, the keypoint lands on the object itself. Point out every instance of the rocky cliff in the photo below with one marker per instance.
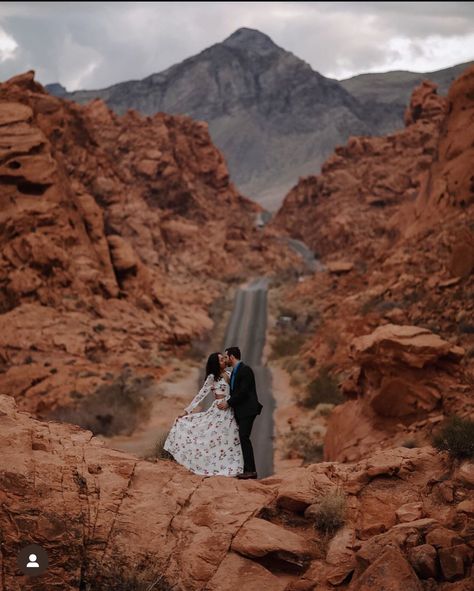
(116, 235)
(400, 519)
(391, 317)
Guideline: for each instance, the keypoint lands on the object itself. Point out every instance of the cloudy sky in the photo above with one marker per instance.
(96, 44)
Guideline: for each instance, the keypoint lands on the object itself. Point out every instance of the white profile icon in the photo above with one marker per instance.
(32, 563)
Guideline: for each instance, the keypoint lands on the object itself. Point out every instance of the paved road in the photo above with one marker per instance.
(311, 261)
(246, 329)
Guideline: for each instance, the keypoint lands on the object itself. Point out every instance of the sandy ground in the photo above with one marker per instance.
(284, 395)
(172, 394)
(285, 412)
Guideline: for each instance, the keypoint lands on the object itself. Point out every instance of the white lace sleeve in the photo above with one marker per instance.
(203, 392)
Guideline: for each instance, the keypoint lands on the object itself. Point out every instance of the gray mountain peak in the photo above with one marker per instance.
(251, 40)
(272, 115)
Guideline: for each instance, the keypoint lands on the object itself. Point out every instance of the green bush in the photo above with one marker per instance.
(330, 515)
(301, 442)
(323, 389)
(456, 437)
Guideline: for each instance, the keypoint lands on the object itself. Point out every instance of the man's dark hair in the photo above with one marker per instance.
(235, 351)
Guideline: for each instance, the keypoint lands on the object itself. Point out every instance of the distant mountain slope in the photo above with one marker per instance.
(272, 115)
(397, 86)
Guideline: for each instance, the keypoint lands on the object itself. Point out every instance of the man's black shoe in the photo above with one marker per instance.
(247, 475)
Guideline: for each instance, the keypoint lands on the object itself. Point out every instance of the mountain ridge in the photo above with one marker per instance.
(273, 116)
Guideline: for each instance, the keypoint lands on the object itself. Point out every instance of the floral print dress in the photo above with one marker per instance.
(207, 442)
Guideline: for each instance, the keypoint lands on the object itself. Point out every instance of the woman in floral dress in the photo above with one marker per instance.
(207, 442)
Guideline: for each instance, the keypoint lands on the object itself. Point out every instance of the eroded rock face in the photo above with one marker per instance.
(91, 507)
(112, 229)
(449, 183)
(403, 374)
(395, 330)
(346, 208)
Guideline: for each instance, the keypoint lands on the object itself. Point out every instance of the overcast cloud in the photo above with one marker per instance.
(96, 44)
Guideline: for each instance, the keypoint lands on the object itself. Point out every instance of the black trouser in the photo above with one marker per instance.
(245, 428)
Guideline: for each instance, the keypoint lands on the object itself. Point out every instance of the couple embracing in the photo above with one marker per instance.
(216, 442)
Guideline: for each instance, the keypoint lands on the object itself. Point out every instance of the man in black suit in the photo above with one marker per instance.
(243, 399)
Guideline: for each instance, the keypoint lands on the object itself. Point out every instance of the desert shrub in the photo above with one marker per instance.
(302, 443)
(159, 451)
(378, 304)
(466, 328)
(297, 378)
(285, 345)
(456, 437)
(386, 306)
(370, 305)
(324, 388)
(117, 407)
(292, 364)
(330, 515)
(121, 577)
(324, 409)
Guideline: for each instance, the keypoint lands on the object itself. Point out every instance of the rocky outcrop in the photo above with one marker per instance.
(85, 503)
(406, 379)
(397, 286)
(117, 234)
(449, 185)
(347, 208)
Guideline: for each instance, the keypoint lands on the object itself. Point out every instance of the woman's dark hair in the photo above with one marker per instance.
(213, 366)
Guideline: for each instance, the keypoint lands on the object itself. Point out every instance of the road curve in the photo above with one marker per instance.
(247, 329)
(311, 262)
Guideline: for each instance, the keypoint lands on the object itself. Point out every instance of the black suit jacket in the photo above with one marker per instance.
(243, 396)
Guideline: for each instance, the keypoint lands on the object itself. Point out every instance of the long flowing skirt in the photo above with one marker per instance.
(207, 443)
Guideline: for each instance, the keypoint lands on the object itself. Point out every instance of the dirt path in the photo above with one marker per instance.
(171, 396)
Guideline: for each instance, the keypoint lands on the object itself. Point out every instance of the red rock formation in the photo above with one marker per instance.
(105, 517)
(449, 183)
(348, 206)
(406, 378)
(395, 214)
(117, 234)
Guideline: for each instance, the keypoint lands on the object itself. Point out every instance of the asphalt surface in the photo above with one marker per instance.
(247, 329)
(312, 263)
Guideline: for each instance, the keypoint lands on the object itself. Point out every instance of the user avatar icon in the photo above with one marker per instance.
(32, 560)
(32, 563)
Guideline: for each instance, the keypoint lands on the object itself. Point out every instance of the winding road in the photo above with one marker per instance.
(247, 329)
